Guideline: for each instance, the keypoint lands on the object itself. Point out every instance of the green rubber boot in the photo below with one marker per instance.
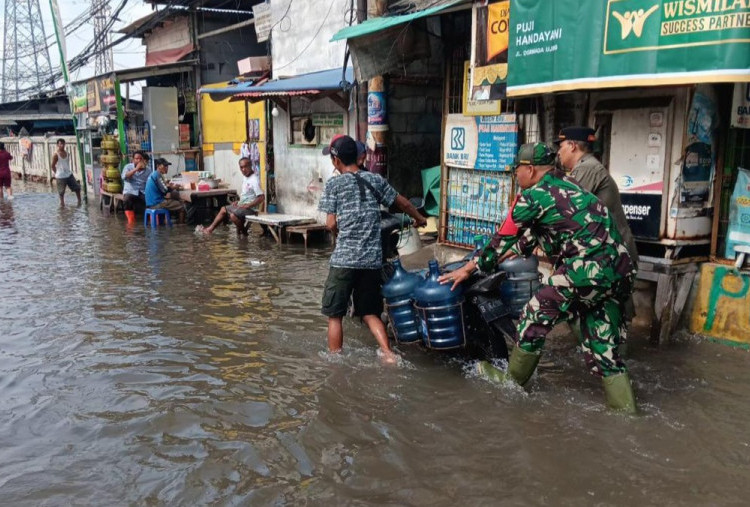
(521, 366)
(619, 393)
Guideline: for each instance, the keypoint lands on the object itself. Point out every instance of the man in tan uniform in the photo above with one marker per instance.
(575, 155)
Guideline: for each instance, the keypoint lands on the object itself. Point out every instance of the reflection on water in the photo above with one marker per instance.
(160, 367)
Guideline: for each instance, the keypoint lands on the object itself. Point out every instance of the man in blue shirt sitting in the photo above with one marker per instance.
(161, 195)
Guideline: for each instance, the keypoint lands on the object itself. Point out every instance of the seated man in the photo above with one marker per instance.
(161, 195)
(134, 176)
(251, 196)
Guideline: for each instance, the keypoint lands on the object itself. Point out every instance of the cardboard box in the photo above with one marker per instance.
(253, 65)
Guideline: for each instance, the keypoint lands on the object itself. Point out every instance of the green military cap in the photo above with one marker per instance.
(535, 154)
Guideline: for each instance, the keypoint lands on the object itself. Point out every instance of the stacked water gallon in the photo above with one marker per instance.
(521, 283)
(110, 160)
(399, 303)
(440, 311)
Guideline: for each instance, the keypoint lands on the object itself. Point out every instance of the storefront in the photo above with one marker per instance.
(164, 124)
(655, 81)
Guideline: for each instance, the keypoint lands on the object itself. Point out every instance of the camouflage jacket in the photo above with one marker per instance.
(574, 229)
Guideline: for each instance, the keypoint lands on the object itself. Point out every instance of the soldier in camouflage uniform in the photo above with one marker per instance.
(592, 274)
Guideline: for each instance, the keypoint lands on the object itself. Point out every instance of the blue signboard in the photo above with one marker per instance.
(487, 143)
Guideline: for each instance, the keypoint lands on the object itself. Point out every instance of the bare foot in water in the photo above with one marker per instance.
(388, 356)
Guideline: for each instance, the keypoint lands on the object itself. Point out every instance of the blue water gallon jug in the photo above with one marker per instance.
(521, 283)
(440, 311)
(398, 292)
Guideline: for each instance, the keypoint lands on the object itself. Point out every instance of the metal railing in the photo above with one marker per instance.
(37, 166)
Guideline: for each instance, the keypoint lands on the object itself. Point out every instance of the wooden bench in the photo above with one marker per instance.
(303, 230)
(111, 201)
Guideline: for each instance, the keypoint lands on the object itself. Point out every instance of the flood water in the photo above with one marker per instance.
(157, 367)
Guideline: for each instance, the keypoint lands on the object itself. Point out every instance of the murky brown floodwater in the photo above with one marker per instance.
(162, 368)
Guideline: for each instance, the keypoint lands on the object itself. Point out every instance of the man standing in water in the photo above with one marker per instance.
(575, 146)
(63, 173)
(593, 273)
(5, 176)
(352, 202)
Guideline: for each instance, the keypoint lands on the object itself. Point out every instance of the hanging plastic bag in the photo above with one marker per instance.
(739, 214)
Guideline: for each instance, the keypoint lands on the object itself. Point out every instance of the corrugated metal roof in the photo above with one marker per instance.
(304, 84)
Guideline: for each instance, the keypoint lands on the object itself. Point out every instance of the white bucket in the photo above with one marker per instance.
(408, 241)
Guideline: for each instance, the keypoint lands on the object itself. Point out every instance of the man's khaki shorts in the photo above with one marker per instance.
(170, 204)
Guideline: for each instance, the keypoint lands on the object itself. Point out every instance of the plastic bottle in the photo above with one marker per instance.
(398, 292)
(440, 311)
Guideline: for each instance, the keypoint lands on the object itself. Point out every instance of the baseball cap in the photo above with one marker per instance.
(162, 161)
(535, 154)
(343, 147)
(577, 133)
(327, 149)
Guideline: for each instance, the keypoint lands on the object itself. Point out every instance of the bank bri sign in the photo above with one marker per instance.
(583, 44)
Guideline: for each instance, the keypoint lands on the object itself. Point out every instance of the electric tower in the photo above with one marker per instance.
(26, 63)
(103, 60)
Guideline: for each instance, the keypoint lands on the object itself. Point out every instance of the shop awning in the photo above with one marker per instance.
(378, 24)
(314, 83)
(221, 91)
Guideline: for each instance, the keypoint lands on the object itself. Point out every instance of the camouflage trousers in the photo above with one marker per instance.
(600, 312)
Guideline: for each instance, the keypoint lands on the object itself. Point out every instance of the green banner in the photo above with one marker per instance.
(583, 44)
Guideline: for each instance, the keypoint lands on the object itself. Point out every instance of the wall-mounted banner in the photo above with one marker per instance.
(377, 120)
(627, 43)
(482, 142)
(497, 28)
(490, 51)
(107, 97)
(92, 97)
(477, 107)
(741, 106)
(78, 97)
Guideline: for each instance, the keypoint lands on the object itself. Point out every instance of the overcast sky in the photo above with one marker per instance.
(128, 54)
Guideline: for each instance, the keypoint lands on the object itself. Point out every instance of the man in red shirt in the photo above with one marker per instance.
(5, 159)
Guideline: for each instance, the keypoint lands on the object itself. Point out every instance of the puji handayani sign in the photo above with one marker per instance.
(579, 44)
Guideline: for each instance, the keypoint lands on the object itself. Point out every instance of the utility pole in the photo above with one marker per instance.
(103, 59)
(26, 63)
(62, 48)
(377, 112)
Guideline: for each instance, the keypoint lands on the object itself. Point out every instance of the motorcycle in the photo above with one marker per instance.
(491, 305)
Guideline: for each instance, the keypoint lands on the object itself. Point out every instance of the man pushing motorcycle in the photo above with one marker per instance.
(592, 273)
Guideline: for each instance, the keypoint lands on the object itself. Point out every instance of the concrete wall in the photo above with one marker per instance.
(301, 36)
(722, 304)
(219, 54)
(415, 115)
(300, 46)
(301, 171)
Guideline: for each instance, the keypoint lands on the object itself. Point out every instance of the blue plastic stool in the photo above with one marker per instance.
(151, 217)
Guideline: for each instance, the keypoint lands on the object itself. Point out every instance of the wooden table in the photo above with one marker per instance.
(276, 222)
(202, 205)
(196, 195)
(304, 230)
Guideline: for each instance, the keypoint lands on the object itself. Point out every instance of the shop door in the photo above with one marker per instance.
(636, 155)
(160, 111)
